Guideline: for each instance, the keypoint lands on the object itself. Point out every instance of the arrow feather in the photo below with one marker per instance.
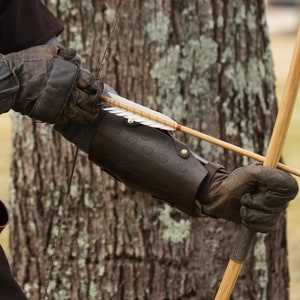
(138, 113)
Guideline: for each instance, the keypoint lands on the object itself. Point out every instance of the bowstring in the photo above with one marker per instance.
(62, 220)
(66, 200)
(110, 36)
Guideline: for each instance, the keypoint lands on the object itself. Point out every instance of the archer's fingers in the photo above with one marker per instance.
(265, 202)
(260, 221)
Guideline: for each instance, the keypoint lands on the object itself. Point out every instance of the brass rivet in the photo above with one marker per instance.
(130, 121)
(184, 151)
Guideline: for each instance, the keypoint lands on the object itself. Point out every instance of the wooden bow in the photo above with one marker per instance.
(246, 237)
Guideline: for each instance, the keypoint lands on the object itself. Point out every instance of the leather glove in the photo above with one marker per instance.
(52, 86)
(255, 196)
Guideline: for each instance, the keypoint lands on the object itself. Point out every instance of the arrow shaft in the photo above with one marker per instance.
(197, 134)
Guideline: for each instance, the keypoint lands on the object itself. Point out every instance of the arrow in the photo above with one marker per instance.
(149, 117)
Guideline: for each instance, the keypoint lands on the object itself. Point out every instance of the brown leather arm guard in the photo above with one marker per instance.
(151, 161)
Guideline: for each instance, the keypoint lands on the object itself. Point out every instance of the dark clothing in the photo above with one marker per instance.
(9, 289)
(25, 23)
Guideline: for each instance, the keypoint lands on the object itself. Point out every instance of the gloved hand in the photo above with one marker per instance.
(255, 196)
(52, 86)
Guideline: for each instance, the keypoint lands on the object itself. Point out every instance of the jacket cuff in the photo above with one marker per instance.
(203, 191)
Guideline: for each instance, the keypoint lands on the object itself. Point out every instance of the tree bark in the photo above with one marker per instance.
(206, 64)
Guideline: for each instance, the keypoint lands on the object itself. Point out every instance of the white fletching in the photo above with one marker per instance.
(138, 113)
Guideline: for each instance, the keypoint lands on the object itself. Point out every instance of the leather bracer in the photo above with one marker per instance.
(150, 161)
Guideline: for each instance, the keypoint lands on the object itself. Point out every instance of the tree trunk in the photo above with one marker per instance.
(206, 64)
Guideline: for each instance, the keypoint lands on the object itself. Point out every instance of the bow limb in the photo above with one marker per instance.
(246, 237)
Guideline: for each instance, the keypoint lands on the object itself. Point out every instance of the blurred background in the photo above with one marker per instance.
(283, 17)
